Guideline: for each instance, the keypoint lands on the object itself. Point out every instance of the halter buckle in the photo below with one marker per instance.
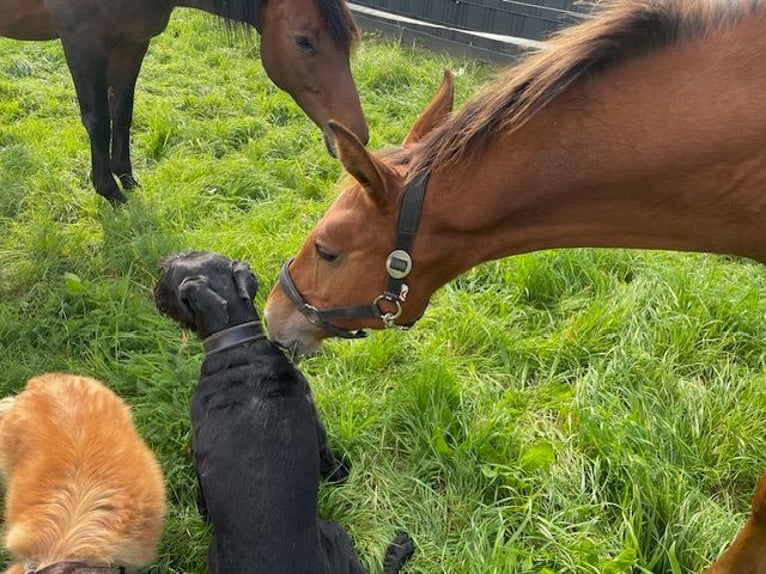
(398, 264)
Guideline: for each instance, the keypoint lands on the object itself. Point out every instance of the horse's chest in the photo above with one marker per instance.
(26, 20)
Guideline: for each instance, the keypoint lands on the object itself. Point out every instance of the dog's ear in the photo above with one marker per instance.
(199, 300)
(246, 281)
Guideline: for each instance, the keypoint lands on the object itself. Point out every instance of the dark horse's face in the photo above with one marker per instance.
(305, 49)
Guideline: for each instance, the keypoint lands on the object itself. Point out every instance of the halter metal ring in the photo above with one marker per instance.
(388, 318)
(312, 314)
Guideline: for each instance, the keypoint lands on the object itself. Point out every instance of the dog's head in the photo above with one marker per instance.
(205, 291)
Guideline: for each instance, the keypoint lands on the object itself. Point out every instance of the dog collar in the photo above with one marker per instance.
(72, 566)
(232, 336)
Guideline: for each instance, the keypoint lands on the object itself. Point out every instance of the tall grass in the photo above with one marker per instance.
(572, 411)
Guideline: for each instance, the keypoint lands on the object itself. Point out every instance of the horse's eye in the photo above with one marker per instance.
(325, 253)
(305, 44)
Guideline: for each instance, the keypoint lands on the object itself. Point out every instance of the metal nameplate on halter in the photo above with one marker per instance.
(399, 264)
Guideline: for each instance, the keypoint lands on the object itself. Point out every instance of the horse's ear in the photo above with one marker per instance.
(360, 163)
(437, 111)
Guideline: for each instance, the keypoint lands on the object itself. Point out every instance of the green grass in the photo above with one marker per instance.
(572, 411)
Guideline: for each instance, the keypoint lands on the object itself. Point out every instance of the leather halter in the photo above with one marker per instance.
(398, 266)
(232, 336)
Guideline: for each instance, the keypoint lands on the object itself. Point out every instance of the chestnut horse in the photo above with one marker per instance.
(747, 554)
(643, 127)
(305, 49)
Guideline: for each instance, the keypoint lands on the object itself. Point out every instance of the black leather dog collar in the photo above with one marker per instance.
(232, 337)
(73, 566)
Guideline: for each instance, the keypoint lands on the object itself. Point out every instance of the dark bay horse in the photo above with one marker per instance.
(305, 49)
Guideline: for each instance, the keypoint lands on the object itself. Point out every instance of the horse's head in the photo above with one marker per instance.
(346, 260)
(305, 50)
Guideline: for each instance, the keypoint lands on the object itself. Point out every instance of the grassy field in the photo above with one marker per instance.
(572, 411)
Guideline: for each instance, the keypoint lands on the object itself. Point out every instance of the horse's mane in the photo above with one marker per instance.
(340, 22)
(336, 15)
(616, 31)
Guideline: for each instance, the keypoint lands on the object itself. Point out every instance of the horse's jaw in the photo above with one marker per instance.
(293, 333)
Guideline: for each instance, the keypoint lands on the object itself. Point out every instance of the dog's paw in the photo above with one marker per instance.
(399, 551)
(338, 473)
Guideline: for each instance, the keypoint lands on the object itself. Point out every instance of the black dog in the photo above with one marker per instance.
(259, 446)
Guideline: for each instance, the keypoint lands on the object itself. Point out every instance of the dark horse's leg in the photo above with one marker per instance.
(124, 65)
(87, 57)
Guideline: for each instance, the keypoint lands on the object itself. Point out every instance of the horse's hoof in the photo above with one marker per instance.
(107, 187)
(114, 197)
(128, 182)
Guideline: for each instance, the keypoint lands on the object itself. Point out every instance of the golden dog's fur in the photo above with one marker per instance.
(80, 483)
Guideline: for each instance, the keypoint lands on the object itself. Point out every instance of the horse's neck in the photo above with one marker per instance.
(665, 152)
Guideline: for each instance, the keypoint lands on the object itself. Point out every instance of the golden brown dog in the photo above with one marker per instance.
(747, 554)
(83, 492)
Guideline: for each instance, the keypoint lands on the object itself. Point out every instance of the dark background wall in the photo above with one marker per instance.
(463, 27)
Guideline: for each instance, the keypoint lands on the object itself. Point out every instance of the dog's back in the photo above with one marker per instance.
(80, 483)
(257, 457)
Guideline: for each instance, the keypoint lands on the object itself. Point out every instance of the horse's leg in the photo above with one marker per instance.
(88, 62)
(124, 65)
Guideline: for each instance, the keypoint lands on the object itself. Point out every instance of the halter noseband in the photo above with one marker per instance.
(398, 267)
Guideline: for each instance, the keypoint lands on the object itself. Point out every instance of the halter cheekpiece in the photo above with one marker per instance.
(398, 264)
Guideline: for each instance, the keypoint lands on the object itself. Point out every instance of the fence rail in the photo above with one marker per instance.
(497, 30)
